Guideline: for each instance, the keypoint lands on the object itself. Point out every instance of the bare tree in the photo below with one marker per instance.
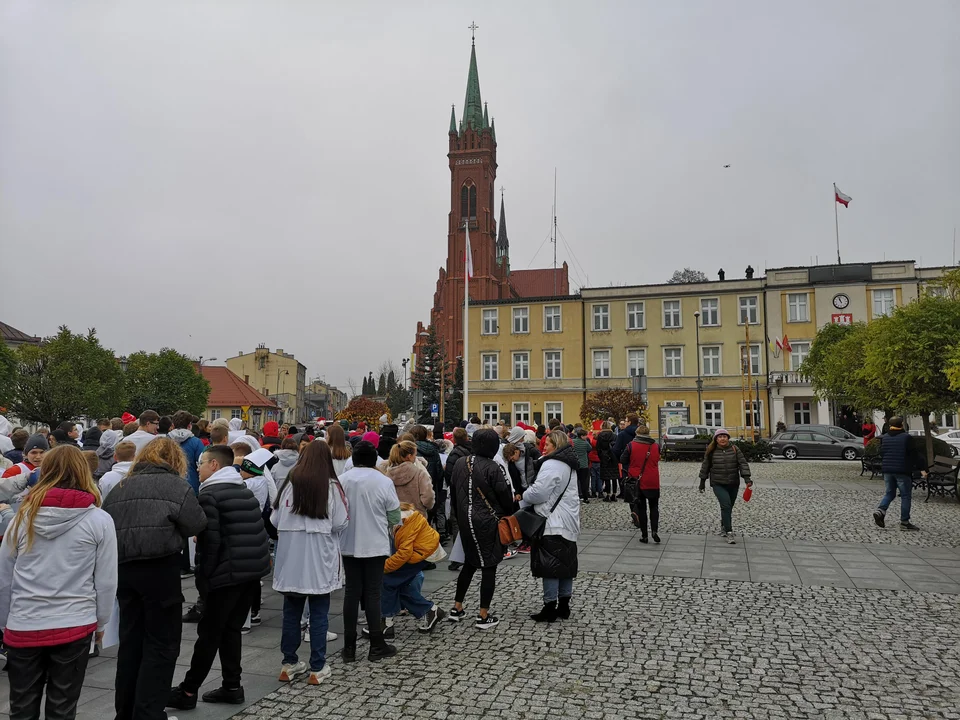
(352, 384)
(687, 276)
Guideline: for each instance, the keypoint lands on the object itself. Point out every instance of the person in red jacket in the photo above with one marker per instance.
(641, 464)
(869, 431)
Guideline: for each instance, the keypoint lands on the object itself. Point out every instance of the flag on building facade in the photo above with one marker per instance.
(786, 344)
(841, 198)
(469, 257)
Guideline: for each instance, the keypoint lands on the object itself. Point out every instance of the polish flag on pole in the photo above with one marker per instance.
(841, 198)
(469, 256)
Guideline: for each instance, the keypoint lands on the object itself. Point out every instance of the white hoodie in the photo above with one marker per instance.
(235, 433)
(69, 576)
(140, 438)
(111, 479)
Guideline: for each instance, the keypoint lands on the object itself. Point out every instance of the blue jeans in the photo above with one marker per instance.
(595, 482)
(401, 588)
(557, 587)
(290, 635)
(905, 484)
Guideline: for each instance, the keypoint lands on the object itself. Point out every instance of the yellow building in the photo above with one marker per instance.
(279, 376)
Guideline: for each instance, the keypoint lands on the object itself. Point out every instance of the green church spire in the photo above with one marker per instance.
(486, 118)
(473, 105)
(453, 119)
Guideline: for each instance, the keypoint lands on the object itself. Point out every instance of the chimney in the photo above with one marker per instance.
(722, 274)
(749, 272)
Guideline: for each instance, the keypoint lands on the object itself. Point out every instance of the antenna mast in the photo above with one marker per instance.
(554, 232)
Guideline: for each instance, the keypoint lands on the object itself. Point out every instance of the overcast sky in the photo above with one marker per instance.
(213, 175)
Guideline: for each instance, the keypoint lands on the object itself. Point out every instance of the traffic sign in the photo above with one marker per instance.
(435, 409)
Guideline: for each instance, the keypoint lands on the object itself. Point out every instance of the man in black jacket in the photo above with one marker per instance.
(624, 438)
(900, 459)
(232, 556)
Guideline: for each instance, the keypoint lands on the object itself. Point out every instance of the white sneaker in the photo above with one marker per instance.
(289, 673)
(331, 636)
(316, 678)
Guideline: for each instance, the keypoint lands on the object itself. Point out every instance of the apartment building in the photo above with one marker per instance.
(277, 375)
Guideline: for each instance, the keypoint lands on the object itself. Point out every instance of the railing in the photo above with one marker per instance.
(786, 377)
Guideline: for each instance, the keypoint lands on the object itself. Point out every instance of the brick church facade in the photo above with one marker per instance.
(473, 174)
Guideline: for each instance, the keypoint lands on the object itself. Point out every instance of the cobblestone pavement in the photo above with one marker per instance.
(660, 647)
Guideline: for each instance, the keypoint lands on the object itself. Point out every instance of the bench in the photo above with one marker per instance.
(942, 477)
(873, 463)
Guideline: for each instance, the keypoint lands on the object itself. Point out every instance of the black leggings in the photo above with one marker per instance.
(488, 583)
(364, 578)
(639, 506)
(583, 482)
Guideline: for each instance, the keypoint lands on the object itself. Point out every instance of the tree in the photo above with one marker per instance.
(835, 367)
(426, 377)
(391, 381)
(615, 403)
(364, 409)
(8, 375)
(166, 381)
(67, 377)
(949, 283)
(382, 386)
(687, 276)
(953, 367)
(398, 400)
(453, 407)
(366, 388)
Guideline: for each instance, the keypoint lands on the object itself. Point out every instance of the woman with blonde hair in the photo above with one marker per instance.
(58, 582)
(410, 478)
(154, 510)
(340, 451)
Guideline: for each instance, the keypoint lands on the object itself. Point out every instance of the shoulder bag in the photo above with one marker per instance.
(528, 524)
(632, 485)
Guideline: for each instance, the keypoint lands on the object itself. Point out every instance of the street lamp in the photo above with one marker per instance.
(696, 316)
(208, 360)
(404, 363)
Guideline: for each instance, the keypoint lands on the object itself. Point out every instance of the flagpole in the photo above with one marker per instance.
(836, 222)
(466, 330)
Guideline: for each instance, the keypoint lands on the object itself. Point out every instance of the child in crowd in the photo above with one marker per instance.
(123, 458)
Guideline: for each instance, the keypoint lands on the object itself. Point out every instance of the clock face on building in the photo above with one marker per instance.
(840, 301)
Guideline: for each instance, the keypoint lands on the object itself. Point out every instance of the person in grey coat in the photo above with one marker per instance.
(724, 464)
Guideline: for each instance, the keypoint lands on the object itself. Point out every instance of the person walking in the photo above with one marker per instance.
(365, 546)
(410, 479)
(154, 510)
(899, 462)
(582, 448)
(58, 584)
(868, 430)
(481, 495)
(310, 513)
(232, 557)
(724, 464)
(641, 463)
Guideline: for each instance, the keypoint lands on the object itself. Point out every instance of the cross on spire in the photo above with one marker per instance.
(473, 27)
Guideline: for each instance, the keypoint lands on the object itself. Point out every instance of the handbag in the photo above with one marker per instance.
(504, 528)
(632, 485)
(529, 523)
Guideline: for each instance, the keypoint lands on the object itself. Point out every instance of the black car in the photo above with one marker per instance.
(806, 444)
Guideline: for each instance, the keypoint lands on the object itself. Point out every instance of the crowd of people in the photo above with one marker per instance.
(106, 524)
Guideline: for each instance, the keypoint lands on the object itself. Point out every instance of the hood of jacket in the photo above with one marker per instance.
(61, 510)
(181, 435)
(122, 468)
(287, 458)
(565, 454)
(427, 449)
(643, 440)
(405, 473)
(236, 424)
(108, 443)
(223, 476)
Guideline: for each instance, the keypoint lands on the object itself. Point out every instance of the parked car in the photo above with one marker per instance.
(834, 431)
(682, 439)
(951, 438)
(804, 444)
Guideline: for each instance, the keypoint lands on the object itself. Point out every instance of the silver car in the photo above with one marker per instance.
(806, 444)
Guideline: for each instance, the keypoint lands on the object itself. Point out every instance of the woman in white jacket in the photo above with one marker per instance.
(554, 495)
(310, 513)
(58, 583)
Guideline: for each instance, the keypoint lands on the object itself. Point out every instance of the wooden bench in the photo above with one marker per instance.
(873, 463)
(942, 477)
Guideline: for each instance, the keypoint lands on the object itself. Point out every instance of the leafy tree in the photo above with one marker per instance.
(949, 282)
(391, 381)
(8, 375)
(366, 410)
(166, 381)
(66, 377)
(382, 385)
(953, 367)
(615, 403)
(398, 400)
(453, 409)
(687, 276)
(836, 370)
(429, 368)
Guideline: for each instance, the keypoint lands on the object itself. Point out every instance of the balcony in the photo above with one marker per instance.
(787, 378)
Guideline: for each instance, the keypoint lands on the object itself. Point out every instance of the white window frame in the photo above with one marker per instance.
(215, 414)
(795, 354)
(679, 313)
(741, 307)
(754, 371)
(547, 365)
(639, 307)
(631, 370)
(515, 416)
(893, 302)
(798, 307)
(495, 365)
(489, 413)
(520, 361)
(523, 314)
(933, 291)
(604, 314)
(594, 356)
(758, 414)
(798, 410)
(559, 318)
(669, 365)
(548, 414)
(485, 317)
(714, 310)
(718, 358)
(708, 418)
(236, 413)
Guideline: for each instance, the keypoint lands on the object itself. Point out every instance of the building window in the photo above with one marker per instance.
(490, 371)
(799, 354)
(468, 202)
(490, 322)
(551, 318)
(601, 318)
(636, 362)
(521, 366)
(883, 302)
(797, 309)
(521, 320)
(673, 362)
(214, 415)
(754, 360)
(709, 312)
(671, 314)
(521, 413)
(236, 414)
(801, 413)
(635, 317)
(489, 413)
(936, 291)
(748, 310)
(553, 410)
(713, 414)
(711, 360)
(601, 363)
(551, 365)
(757, 413)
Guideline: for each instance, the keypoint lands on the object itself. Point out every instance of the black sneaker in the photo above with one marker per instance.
(878, 518)
(388, 632)
(180, 700)
(186, 574)
(454, 566)
(255, 620)
(379, 652)
(430, 620)
(656, 538)
(430, 566)
(349, 653)
(456, 615)
(908, 526)
(485, 623)
(644, 539)
(224, 695)
(635, 519)
(192, 615)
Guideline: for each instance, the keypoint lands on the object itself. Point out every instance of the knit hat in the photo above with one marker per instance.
(365, 455)
(389, 431)
(516, 435)
(372, 438)
(486, 443)
(271, 429)
(35, 442)
(128, 418)
(721, 431)
(255, 462)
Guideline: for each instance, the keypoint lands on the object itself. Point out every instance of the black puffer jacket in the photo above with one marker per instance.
(724, 466)
(234, 548)
(153, 509)
(899, 456)
(609, 469)
(459, 451)
(429, 452)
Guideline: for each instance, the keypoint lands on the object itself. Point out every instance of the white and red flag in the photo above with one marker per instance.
(841, 198)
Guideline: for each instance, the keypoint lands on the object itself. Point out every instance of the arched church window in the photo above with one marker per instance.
(464, 201)
(473, 202)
